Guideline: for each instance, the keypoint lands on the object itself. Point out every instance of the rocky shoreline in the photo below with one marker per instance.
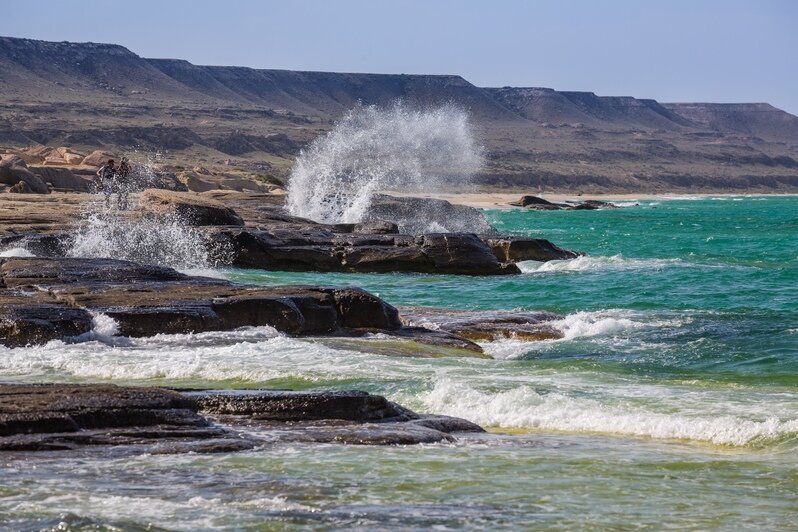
(68, 417)
(254, 231)
(54, 296)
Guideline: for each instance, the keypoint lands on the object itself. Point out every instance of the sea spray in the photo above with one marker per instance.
(370, 149)
(143, 237)
(146, 239)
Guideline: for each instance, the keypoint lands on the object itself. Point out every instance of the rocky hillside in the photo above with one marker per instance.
(91, 96)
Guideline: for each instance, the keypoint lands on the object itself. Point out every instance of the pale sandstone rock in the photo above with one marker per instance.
(98, 158)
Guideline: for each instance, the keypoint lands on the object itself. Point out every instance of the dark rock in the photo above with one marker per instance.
(191, 207)
(359, 309)
(213, 446)
(485, 325)
(376, 227)
(463, 254)
(540, 204)
(321, 250)
(49, 417)
(21, 188)
(31, 323)
(593, 205)
(149, 300)
(302, 406)
(438, 338)
(41, 245)
(349, 433)
(447, 424)
(535, 202)
(63, 178)
(517, 249)
(48, 408)
(424, 215)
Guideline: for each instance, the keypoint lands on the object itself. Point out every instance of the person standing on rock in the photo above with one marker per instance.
(123, 184)
(105, 180)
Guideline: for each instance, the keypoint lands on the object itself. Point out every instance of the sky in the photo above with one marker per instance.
(672, 51)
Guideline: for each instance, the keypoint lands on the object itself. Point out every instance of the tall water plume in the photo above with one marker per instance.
(371, 149)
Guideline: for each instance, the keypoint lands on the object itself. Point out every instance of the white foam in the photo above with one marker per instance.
(16, 252)
(524, 407)
(684, 198)
(254, 354)
(616, 324)
(589, 263)
(612, 322)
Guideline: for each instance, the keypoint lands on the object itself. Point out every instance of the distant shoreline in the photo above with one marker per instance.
(501, 200)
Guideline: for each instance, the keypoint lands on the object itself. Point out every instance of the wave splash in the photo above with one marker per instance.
(586, 263)
(372, 149)
(524, 407)
(160, 241)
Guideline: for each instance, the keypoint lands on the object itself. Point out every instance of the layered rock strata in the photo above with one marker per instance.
(63, 417)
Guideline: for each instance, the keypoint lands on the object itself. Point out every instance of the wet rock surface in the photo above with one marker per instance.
(516, 249)
(52, 298)
(252, 230)
(58, 298)
(319, 249)
(49, 417)
(479, 326)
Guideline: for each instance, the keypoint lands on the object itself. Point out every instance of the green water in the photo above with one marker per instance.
(672, 401)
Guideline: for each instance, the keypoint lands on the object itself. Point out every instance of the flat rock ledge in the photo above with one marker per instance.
(256, 231)
(59, 298)
(61, 417)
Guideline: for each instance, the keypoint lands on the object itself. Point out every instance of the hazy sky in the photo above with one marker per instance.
(710, 50)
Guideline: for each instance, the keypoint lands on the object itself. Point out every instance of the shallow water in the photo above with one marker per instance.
(672, 399)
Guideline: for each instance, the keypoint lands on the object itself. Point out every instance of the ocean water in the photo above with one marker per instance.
(671, 401)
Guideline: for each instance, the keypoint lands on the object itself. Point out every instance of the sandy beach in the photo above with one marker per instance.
(501, 200)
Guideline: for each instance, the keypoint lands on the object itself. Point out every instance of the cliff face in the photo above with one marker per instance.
(613, 112)
(328, 94)
(760, 119)
(101, 95)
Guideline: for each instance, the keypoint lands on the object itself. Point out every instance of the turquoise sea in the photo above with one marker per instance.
(671, 401)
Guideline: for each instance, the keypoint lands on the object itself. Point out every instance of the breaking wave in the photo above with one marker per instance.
(587, 263)
(372, 149)
(615, 324)
(524, 407)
